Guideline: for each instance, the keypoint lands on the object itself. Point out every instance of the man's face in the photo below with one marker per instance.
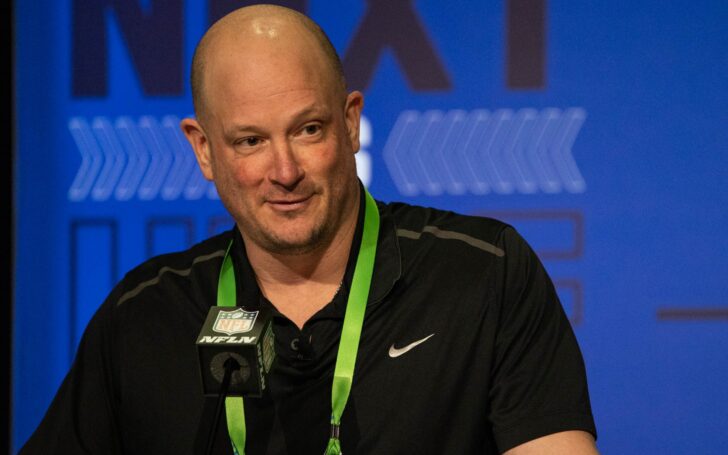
(280, 144)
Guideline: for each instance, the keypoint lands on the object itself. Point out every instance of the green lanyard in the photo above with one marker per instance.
(350, 333)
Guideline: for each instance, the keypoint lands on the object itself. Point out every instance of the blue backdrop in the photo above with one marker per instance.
(598, 129)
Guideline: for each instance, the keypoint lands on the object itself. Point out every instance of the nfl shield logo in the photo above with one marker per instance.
(235, 321)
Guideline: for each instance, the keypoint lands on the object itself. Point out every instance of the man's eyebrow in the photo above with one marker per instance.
(313, 110)
(309, 111)
(232, 133)
(243, 127)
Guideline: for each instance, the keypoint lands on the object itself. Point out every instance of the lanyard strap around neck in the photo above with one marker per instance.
(350, 333)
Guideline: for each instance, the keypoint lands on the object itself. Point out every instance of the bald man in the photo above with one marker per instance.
(463, 345)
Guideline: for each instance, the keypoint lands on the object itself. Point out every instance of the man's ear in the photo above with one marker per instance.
(198, 140)
(352, 113)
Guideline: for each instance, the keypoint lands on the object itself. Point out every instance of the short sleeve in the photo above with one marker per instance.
(538, 377)
(81, 417)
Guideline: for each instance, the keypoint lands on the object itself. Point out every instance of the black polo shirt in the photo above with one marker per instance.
(465, 349)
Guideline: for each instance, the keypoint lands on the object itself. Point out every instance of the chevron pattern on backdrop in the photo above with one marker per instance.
(124, 158)
(432, 153)
(505, 152)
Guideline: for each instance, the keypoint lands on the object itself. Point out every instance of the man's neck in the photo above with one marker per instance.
(299, 285)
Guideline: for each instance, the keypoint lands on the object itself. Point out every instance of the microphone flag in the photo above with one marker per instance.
(232, 334)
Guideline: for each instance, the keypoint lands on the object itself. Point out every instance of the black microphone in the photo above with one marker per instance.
(247, 338)
(236, 350)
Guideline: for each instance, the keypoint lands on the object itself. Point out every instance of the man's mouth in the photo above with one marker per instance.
(288, 204)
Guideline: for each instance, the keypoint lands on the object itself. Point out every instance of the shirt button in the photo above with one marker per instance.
(294, 344)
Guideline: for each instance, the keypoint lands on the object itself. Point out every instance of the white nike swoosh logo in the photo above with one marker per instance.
(394, 352)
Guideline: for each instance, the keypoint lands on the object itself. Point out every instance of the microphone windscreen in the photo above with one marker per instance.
(244, 336)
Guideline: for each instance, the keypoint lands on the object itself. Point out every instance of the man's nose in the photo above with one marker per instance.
(286, 170)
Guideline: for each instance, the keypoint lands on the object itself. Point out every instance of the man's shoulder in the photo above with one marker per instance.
(432, 224)
(200, 261)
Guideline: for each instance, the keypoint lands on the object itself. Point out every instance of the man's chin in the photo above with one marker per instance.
(292, 243)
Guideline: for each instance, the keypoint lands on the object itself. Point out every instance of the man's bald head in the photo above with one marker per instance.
(263, 23)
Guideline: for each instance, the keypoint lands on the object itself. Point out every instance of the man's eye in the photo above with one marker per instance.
(251, 141)
(311, 129)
